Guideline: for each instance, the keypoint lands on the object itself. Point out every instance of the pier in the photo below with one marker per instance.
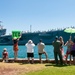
(25, 60)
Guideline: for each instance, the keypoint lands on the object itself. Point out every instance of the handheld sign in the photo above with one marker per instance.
(16, 34)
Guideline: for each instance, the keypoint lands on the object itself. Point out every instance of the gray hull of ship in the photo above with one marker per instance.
(47, 37)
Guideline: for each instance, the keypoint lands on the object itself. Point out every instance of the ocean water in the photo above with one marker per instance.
(22, 52)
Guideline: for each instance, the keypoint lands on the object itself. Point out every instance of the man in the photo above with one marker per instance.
(41, 51)
(30, 50)
(57, 52)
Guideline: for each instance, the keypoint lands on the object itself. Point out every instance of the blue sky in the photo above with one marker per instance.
(40, 14)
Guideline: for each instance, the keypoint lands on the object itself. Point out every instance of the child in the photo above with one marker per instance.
(5, 55)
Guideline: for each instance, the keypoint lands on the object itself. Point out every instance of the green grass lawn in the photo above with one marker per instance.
(51, 69)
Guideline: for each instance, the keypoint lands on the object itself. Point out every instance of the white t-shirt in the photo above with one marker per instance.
(41, 47)
(30, 47)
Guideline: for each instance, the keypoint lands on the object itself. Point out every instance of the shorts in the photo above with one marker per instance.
(40, 53)
(30, 55)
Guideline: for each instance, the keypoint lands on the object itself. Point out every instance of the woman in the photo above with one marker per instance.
(68, 52)
(61, 46)
(15, 47)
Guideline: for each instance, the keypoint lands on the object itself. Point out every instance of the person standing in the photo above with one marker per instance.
(61, 46)
(57, 51)
(30, 50)
(68, 52)
(73, 51)
(15, 47)
(41, 50)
